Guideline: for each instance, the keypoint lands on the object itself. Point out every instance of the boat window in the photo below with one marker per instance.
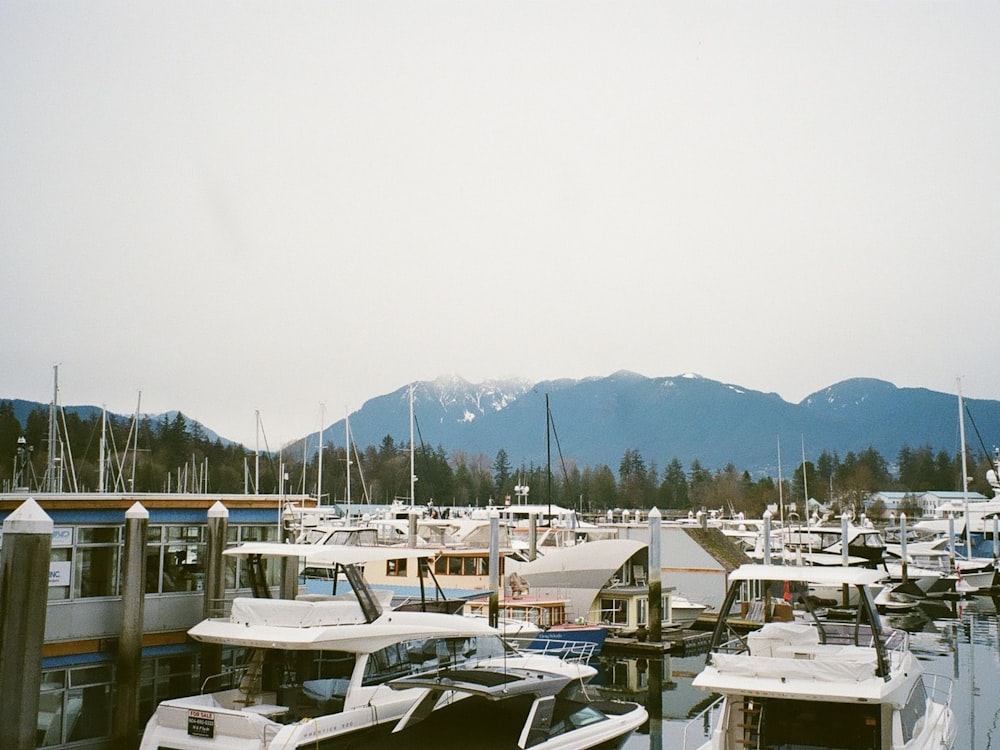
(582, 717)
(914, 710)
(427, 654)
(814, 724)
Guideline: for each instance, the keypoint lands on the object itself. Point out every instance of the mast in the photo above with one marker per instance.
(805, 478)
(413, 474)
(103, 450)
(135, 443)
(50, 466)
(256, 455)
(347, 457)
(548, 454)
(319, 467)
(965, 473)
(781, 498)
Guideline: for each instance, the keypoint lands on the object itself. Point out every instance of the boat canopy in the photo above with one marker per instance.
(831, 574)
(604, 556)
(328, 554)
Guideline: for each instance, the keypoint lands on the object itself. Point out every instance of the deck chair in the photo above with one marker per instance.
(639, 575)
(518, 586)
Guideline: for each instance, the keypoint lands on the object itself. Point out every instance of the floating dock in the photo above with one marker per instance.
(674, 642)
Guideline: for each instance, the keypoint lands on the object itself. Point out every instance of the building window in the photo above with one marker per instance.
(175, 558)
(74, 704)
(95, 567)
(237, 570)
(60, 573)
(166, 677)
(614, 611)
(395, 567)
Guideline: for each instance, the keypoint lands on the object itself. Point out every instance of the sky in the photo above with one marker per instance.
(289, 208)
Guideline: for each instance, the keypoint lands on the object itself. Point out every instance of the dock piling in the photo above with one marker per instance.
(24, 584)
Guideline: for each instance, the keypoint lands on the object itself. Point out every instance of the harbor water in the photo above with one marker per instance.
(958, 640)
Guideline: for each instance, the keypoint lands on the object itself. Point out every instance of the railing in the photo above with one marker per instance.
(939, 688)
(576, 652)
(699, 729)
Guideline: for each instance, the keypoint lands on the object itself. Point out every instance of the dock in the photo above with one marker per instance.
(674, 642)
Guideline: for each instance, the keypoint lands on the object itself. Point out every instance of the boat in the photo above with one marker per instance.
(506, 708)
(803, 681)
(316, 668)
(683, 613)
(542, 623)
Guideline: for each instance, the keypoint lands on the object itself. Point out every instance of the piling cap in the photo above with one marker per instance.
(137, 511)
(28, 518)
(218, 510)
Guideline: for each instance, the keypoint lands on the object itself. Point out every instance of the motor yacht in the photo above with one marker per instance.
(807, 682)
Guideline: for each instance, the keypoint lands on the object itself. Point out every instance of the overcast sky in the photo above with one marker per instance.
(241, 206)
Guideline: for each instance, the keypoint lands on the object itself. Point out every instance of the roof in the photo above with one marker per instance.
(832, 574)
(719, 546)
(328, 554)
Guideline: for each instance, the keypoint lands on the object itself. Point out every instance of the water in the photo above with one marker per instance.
(954, 639)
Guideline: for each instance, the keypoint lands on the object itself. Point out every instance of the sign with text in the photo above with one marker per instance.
(201, 724)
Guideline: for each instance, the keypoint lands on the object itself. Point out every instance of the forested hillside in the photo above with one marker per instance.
(174, 454)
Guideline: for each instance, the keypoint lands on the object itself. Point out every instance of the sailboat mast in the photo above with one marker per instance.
(548, 454)
(347, 457)
(135, 440)
(103, 450)
(50, 466)
(805, 478)
(781, 497)
(965, 472)
(413, 474)
(319, 462)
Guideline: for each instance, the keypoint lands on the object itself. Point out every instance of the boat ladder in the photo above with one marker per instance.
(747, 724)
(249, 685)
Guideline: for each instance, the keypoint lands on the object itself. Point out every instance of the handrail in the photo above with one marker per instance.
(575, 652)
(706, 719)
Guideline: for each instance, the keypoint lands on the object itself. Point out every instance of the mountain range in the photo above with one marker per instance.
(688, 417)
(596, 420)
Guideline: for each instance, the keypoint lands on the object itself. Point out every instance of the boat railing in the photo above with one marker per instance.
(697, 731)
(226, 678)
(576, 652)
(848, 634)
(939, 688)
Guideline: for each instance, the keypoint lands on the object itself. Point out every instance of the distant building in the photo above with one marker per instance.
(927, 501)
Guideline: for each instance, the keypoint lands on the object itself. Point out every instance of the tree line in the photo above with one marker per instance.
(174, 454)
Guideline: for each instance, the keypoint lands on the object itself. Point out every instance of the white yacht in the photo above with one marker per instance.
(506, 708)
(316, 669)
(806, 683)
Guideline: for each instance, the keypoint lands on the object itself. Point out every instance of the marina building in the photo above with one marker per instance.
(83, 621)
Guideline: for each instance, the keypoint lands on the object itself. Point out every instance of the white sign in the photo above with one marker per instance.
(59, 573)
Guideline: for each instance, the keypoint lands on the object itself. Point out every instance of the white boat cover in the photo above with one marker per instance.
(286, 613)
(848, 664)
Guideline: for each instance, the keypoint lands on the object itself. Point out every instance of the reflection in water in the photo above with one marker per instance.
(954, 639)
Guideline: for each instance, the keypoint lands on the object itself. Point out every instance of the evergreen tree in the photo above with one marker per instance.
(501, 471)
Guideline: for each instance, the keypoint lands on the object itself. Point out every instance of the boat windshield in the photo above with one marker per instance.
(428, 654)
